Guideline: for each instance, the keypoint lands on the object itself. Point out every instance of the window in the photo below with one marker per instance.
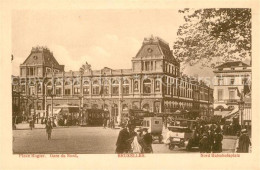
(39, 88)
(232, 68)
(58, 91)
(95, 88)
(157, 85)
(244, 81)
(67, 91)
(136, 86)
(86, 90)
(31, 90)
(106, 90)
(231, 94)
(232, 81)
(220, 81)
(147, 86)
(125, 87)
(220, 94)
(49, 91)
(244, 68)
(76, 90)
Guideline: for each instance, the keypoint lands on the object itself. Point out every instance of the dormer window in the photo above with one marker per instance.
(35, 57)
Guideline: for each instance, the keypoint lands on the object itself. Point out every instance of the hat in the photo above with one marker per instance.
(145, 129)
(205, 134)
(243, 130)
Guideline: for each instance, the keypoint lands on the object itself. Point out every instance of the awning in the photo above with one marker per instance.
(234, 111)
(56, 111)
(221, 113)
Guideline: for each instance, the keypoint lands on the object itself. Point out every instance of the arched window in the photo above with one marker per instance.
(76, 87)
(136, 86)
(105, 87)
(146, 107)
(86, 88)
(58, 88)
(125, 87)
(147, 86)
(49, 88)
(115, 87)
(157, 85)
(95, 88)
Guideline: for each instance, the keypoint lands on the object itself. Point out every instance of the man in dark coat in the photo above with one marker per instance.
(218, 137)
(148, 140)
(49, 129)
(204, 143)
(122, 144)
(244, 142)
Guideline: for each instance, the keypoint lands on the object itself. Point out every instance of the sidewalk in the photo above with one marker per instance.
(24, 126)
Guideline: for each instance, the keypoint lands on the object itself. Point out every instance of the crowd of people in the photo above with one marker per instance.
(132, 140)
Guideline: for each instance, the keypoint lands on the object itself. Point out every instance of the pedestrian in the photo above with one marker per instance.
(244, 142)
(211, 138)
(104, 123)
(148, 140)
(122, 144)
(49, 129)
(204, 143)
(136, 145)
(218, 137)
(31, 124)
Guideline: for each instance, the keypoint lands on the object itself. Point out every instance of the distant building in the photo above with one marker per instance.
(232, 81)
(153, 84)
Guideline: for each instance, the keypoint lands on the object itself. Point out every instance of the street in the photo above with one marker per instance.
(82, 140)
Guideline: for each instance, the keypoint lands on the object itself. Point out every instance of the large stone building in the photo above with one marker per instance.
(154, 83)
(233, 82)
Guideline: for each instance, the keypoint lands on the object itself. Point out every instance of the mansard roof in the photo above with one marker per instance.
(155, 47)
(230, 64)
(42, 56)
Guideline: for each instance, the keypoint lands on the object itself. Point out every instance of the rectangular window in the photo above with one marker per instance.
(231, 94)
(115, 90)
(58, 91)
(76, 90)
(49, 91)
(39, 88)
(67, 91)
(126, 89)
(244, 81)
(95, 90)
(220, 94)
(232, 81)
(220, 81)
(106, 90)
(86, 90)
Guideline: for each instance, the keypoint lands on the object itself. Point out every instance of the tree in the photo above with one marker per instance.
(212, 35)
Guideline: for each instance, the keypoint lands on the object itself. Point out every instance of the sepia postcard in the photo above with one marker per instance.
(129, 84)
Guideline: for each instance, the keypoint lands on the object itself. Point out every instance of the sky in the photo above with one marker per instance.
(103, 38)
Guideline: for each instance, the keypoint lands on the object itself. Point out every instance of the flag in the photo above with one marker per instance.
(238, 93)
(12, 57)
(101, 90)
(246, 89)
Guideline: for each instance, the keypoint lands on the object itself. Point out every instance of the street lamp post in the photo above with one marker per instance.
(241, 108)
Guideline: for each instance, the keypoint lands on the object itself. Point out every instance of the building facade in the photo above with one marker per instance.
(232, 84)
(154, 84)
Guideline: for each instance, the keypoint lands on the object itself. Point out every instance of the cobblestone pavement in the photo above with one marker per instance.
(81, 140)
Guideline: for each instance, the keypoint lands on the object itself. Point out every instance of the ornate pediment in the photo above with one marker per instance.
(85, 68)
